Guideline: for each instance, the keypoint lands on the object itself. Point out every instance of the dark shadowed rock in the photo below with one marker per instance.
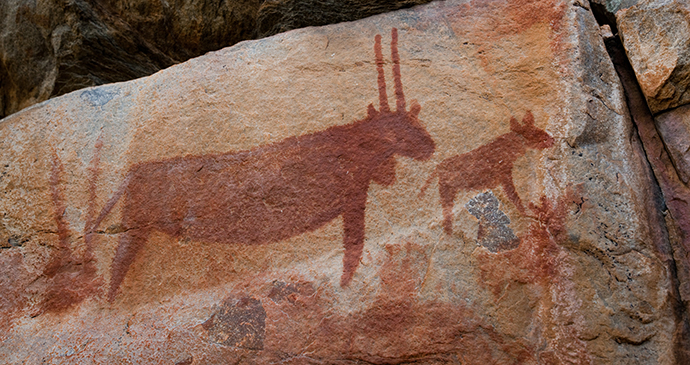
(51, 47)
(277, 16)
(605, 10)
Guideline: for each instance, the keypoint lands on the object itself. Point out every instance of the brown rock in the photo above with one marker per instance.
(186, 29)
(238, 323)
(277, 16)
(674, 127)
(52, 47)
(656, 37)
(265, 203)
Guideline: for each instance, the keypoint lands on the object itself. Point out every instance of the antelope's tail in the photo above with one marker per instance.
(108, 206)
(428, 182)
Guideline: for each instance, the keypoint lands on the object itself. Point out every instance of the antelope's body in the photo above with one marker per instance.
(488, 166)
(272, 192)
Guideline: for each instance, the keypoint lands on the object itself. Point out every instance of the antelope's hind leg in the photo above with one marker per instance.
(509, 188)
(130, 244)
(353, 239)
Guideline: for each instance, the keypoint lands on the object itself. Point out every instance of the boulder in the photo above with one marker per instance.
(656, 37)
(458, 182)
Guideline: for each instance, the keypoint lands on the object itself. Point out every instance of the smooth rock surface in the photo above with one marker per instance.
(440, 279)
(656, 37)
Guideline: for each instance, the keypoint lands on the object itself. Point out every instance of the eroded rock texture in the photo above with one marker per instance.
(459, 182)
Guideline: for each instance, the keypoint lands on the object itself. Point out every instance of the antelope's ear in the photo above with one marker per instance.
(415, 108)
(371, 111)
(514, 125)
(528, 119)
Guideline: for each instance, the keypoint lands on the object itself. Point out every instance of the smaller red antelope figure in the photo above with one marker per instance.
(488, 166)
(273, 192)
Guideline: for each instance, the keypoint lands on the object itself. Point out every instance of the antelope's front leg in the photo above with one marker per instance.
(447, 194)
(353, 237)
(130, 244)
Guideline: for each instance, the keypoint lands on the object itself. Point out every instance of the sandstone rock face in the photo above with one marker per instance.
(51, 47)
(671, 196)
(656, 36)
(453, 183)
(674, 127)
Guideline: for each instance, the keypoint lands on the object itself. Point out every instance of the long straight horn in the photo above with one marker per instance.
(383, 97)
(399, 96)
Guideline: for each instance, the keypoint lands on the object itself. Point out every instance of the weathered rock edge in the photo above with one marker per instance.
(673, 221)
(673, 201)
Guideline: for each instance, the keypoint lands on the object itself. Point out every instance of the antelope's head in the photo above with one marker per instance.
(536, 138)
(401, 129)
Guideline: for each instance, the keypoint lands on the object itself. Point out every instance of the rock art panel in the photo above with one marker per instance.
(273, 192)
(247, 206)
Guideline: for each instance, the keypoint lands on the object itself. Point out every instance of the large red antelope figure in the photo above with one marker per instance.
(273, 192)
(487, 166)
